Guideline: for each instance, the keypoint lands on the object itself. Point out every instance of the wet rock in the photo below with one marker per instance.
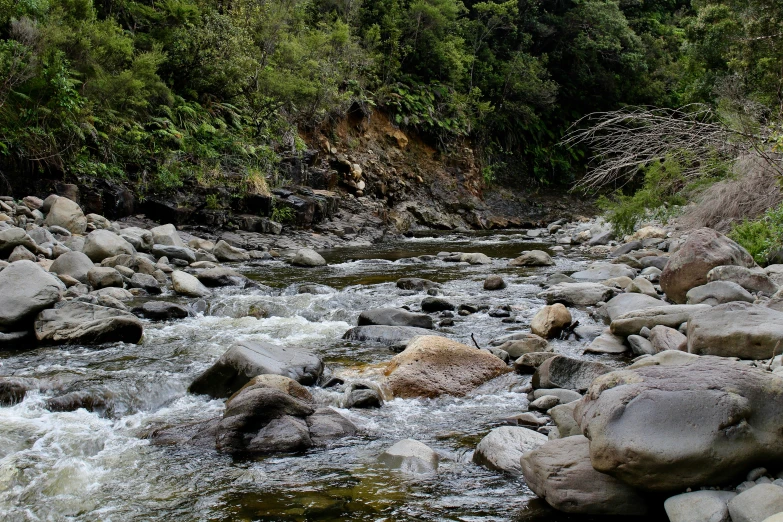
(145, 282)
(757, 503)
(664, 338)
(557, 278)
(431, 366)
(436, 304)
(25, 290)
(410, 456)
(532, 258)
(14, 389)
(502, 448)
(161, 311)
(316, 289)
(225, 252)
(82, 399)
(736, 329)
(65, 213)
(531, 343)
(550, 321)
(718, 292)
(307, 257)
(529, 362)
(21, 340)
(607, 343)
(494, 282)
(416, 283)
(704, 250)
(100, 244)
(394, 317)
(222, 276)
(83, 323)
(723, 414)
(247, 359)
(560, 472)
(14, 237)
(166, 235)
(198, 434)
(751, 279)
(391, 335)
(699, 506)
(569, 373)
(186, 284)
(673, 316)
(475, 258)
(360, 395)
(327, 424)
(103, 277)
(582, 294)
(601, 271)
(142, 240)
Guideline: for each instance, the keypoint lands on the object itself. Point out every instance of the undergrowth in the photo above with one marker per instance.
(762, 236)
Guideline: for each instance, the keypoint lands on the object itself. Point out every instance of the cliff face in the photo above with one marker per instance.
(360, 172)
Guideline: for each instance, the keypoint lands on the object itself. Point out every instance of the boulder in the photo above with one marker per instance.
(631, 323)
(174, 252)
(607, 343)
(532, 258)
(25, 290)
(601, 271)
(664, 338)
(222, 276)
(14, 389)
(83, 323)
(161, 311)
(20, 253)
(475, 258)
(757, 503)
(640, 345)
(65, 213)
(751, 279)
(738, 329)
(142, 240)
(103, 277)
(702, 251)
(699, 506)
(227, 253)
(494, 282)
(550, 321)
(529, 362)
(626, 248)
(640, 285)
(145, 282)
(100, 244)
(563, 395)
(625, 303)
(725, 417)
(198, 243)
(14, 237)
(718, 292)
(569, 373)
(327, 424)
(502, 448)
(410, 456)
(394, 317)
(544, 403)
(391, 335)
(416, 283)
(582, 294)
(530, 343)
(431, 366)
(307, 257)
(247, 359)
(560, 472)
(166, 235)
(436, 304)
(563, 417)
(186, 284)
(73, 264)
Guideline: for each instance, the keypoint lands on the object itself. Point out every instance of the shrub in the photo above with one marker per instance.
(760, 237)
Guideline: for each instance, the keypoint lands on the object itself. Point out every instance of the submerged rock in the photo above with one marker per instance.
(410, 456)
(394, 317)
(391, 335)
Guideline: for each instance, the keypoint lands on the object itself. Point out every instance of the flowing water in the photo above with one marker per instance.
(98, 465)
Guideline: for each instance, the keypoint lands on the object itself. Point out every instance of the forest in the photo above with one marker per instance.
(158, 91)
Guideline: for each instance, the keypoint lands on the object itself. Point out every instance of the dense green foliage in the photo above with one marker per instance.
(161, 91)
(762, 236)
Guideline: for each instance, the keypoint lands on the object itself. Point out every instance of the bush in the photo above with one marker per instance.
(760, 237)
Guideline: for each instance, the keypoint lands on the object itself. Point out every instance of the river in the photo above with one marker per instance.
(99, 465)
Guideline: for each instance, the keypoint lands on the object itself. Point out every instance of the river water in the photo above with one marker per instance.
(99, 465)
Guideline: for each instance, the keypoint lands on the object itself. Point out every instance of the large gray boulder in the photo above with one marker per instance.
(699, 506)
(308, 257)
(601, 271)
(625, 303)
(751, 279)
(100, 244)
(502, 448)
(757, 503)
(247, 359)
(702, 421)
(394, 317)
(225, 252)
(390, 335)
(14, 237)
(67, 214)
(410, 456)
(166, 235)
(582, 294)
(718, 292)
(83, 323)
(186, 284)
(702, 251)
(631, 323)
(161, 311)
(738, 329)
(560, 473)
(563, 417)
(74, 264)
(141, 239)
(569, 373)
(25, 290)
(664, 338)
(104, 277)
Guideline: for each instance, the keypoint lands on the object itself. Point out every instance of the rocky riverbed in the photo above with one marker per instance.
(546, 374)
